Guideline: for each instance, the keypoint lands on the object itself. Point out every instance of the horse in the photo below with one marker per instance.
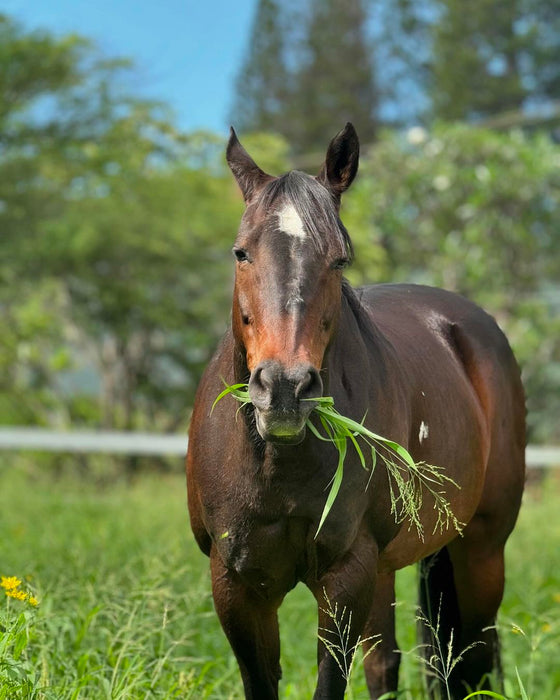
(426, 367)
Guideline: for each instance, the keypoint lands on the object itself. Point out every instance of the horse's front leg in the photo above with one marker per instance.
(344, 596)
(250, 623)
(381, 652)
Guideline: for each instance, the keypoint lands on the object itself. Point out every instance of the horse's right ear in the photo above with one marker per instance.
(341, 163)
(249, 176)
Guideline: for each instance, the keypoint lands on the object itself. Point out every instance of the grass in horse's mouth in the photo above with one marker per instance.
(407, 478)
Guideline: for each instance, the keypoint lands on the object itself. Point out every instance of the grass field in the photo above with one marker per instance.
(125, 609)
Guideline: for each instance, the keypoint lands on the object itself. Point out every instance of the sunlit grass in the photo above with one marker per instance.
(125, 607)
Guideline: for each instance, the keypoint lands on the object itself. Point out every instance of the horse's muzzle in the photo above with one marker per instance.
(283, 399)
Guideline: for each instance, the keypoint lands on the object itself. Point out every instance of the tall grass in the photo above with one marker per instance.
(125, 610)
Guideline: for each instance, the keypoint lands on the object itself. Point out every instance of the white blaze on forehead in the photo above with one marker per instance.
(290, 222)
(423, 432)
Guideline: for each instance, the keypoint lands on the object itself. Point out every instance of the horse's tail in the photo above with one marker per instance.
(439, 617)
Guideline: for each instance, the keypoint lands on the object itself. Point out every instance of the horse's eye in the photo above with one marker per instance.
(241, 255)
(340, 264)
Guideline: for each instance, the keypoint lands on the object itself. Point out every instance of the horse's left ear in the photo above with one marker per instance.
(341, 163)
(249, 176)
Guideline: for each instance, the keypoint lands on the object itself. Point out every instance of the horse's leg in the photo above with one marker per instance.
(478, 565)
(439, 623)
(344, 595)
(461, 589)
(381, 653)
(251, 625)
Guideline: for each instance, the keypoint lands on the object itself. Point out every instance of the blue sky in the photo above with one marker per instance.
(187, 52)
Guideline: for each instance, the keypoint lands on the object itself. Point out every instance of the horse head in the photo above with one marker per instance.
(290, 251)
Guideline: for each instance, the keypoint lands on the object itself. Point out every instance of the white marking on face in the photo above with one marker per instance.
(290, 222)
(423, 433)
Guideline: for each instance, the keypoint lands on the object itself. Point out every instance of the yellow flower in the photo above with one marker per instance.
(16, 593)
(556, 597)
(11, 586)
(10, 582)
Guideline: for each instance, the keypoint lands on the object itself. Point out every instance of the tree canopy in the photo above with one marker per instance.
(307, 70)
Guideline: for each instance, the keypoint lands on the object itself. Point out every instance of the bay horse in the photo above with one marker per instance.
(426, 368)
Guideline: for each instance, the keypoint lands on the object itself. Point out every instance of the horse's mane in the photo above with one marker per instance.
(370, 333)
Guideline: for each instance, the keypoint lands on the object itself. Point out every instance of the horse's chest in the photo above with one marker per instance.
(268, 555)
(268, 539)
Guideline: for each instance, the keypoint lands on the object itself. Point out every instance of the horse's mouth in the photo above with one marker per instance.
(281, 428)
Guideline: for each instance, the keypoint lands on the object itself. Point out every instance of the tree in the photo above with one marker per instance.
(476, 62)
(306, 84)
(448, 60)
(494, 56)
(402, 48)
(540, 23)
(335, 80)
(262, 87)
(34, 67)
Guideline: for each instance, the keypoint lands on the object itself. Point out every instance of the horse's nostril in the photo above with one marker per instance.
(310, 386)
(264, 378)
(261, 385)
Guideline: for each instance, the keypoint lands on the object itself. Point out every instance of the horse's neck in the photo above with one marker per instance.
(358, 329)
(360, 357)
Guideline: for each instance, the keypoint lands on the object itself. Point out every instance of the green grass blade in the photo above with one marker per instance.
(522, 690)
(336, 483)
(240, 392)
(315, 432)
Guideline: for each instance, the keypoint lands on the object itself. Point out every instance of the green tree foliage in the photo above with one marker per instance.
(542, 24)
(33, 67)
(475, 62)
(402, 44)
(262, 87)
(335, 82)
(116, 231)
(465, 61)
(477, 59)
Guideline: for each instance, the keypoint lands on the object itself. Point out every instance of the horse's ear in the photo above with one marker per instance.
(341, 163)
(249, 176)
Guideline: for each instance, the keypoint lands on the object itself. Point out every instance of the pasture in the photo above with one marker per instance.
(125, 608)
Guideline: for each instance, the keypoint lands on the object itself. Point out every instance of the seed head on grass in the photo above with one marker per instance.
(337, 641)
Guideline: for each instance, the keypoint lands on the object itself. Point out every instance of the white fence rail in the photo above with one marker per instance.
(159, 444)
(93, 441)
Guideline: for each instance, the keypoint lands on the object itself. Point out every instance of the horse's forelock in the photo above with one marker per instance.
(314, 206)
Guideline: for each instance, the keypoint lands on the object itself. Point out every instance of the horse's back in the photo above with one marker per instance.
(412, 315)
